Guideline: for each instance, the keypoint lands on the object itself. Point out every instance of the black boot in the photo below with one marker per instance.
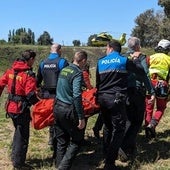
(150, 128)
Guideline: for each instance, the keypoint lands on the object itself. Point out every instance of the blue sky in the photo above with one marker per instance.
(67, 20)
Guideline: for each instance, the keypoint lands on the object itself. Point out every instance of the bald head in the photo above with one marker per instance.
(56, 48)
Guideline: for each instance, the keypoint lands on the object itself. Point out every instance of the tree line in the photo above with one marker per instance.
(150, 27)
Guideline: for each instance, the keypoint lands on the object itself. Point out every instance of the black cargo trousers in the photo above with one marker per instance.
(20, 142)
(113, 109)
(68, 136)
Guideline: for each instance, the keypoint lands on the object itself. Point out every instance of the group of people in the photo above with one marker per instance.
(127, 87)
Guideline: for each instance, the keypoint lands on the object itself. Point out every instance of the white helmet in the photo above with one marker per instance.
(164, 44)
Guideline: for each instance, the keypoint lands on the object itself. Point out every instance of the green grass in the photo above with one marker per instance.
(153, 155)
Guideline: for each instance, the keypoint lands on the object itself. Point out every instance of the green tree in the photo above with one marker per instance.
(166, 5)
(148, 27)
(21, 36)
(45, 39)
(24, 38)
(3, 41)
(31, 36)
(15, 39)
(76, 43)
(9, 36)
(165, 29)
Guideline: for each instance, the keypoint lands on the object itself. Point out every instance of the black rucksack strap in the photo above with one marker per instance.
(14, 83)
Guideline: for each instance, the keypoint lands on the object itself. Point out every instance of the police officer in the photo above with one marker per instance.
(47, 77)
(68, 111)
(111, 83)
(21, 84)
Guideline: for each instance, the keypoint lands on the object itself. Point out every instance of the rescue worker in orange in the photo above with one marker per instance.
(21, 86)
(159, 68)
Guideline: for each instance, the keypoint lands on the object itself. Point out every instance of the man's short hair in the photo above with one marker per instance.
(115, 44)
(80, 55)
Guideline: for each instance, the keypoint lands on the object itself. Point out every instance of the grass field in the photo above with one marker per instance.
(152, 155)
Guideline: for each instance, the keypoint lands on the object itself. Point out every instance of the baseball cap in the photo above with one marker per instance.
(164, 43)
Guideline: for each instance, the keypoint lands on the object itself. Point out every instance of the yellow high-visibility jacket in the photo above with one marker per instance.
(159, 63)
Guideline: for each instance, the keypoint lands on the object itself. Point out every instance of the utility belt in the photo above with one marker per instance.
(16, 104)
(16, 97)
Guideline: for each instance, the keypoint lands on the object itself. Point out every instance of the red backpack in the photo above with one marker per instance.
(42, 114)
